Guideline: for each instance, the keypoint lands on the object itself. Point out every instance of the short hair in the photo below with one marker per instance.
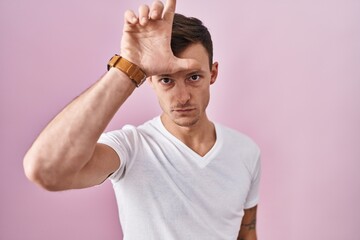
(189, 30)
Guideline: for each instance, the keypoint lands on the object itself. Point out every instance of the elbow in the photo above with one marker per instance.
(37, 171)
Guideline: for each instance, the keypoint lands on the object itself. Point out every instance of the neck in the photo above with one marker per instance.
(200, 136)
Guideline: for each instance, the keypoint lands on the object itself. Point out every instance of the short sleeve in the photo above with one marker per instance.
(122, 142)
(253, 195)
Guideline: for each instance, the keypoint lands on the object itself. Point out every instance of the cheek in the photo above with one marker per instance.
(164, 101)
(205, 98)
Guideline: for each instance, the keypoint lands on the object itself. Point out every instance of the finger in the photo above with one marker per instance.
(170, 6)
(144, 14)
(130, 17)
(169, 9)
(156, 10)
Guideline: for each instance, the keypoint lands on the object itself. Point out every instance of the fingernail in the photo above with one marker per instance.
(133, 19)
(144, 19)
(154, 14)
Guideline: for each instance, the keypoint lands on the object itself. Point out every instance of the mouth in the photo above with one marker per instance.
(183, 110)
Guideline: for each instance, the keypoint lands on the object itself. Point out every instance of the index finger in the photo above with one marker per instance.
(169, 8)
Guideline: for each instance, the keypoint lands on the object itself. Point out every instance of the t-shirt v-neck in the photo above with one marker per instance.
(201, 161)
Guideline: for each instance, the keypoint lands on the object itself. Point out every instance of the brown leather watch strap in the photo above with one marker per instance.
(131, 70)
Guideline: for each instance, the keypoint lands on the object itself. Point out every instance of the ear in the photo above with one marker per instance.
(214, 72)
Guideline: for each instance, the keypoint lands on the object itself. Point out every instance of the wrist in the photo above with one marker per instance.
(134, 72)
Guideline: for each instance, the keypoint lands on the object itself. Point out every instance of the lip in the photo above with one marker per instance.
(183, 110)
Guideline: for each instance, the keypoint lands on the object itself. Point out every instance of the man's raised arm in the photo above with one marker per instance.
(66, 154)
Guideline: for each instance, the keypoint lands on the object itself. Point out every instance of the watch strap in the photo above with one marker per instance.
(131, 70)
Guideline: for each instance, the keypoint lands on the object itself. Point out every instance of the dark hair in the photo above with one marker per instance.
(189, 30)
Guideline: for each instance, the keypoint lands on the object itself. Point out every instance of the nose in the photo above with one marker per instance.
(182, 94)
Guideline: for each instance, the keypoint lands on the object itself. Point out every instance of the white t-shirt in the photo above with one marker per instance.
(165, 190)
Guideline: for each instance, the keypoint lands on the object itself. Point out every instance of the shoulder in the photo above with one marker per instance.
(235, 137)
(240, 146)
(126, 132)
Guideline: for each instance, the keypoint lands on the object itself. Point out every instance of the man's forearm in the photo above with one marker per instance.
(68, 141)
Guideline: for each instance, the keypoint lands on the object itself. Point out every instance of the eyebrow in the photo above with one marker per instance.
(196, 72)
(163, 76)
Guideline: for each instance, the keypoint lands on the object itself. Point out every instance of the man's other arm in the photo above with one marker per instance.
(248, 225)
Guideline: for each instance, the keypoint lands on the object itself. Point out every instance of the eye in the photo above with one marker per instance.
(194, 78)
(166, 80)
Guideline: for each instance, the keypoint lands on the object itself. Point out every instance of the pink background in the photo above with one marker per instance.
(289, 78)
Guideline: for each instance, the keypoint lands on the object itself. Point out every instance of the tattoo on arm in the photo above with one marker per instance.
(249, 226)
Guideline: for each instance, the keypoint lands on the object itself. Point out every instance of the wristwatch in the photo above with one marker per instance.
(131, 70)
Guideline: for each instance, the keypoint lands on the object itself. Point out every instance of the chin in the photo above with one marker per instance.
(186, 122)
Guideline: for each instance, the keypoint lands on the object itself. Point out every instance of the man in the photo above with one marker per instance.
(177, 176)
